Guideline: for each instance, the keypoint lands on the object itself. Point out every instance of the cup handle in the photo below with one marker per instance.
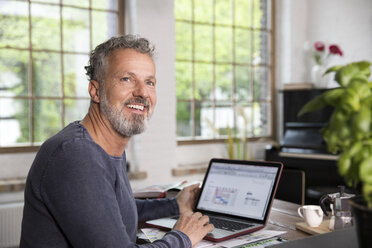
(319, 212)
(299, 212)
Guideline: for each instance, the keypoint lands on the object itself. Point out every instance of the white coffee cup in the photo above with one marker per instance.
(312, 214)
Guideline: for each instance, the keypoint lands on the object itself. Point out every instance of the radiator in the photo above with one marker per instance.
(10, 224)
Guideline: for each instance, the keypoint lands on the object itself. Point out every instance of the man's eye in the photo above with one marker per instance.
(150, 83)
(126, 79)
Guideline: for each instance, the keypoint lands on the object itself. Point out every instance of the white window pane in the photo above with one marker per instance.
(205, 120)
(46, 32)
(47, 119)
(75, 110)
(75, 80)
(14, 72)
(76, 30)
(14, 24)
(105, 4)
(14, 122)
(77, 3)
(47, 80)
(104, 25)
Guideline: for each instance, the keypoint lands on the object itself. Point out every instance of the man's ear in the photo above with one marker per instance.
(94, 91)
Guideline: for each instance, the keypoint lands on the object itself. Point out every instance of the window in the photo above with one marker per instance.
(44, 46)
(223, 68)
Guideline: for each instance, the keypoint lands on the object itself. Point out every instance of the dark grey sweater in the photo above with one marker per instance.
(77, 195)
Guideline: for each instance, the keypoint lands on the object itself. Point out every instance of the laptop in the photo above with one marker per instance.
(236, 195)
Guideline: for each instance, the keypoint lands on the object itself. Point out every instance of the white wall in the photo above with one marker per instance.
(300, 23)
(345, 22)
(158, 144)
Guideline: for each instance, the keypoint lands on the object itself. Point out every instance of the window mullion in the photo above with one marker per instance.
(233, 88)
(252, 73)
(194, 105)
(62, 64)
(31, 79)
(90, 26)
(214, 62)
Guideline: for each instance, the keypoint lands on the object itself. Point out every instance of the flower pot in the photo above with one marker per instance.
(363, 221)
(318, 78)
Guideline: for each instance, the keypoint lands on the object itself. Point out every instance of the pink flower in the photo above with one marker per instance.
(334, 49)
(321, 54)
(319, 46)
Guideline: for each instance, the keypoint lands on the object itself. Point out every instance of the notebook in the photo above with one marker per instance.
(236, 195)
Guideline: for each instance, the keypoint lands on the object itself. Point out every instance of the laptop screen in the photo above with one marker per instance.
(238, 189)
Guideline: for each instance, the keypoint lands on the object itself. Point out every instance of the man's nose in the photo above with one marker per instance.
(140, 90)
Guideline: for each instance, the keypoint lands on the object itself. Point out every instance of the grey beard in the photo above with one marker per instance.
(119, 122)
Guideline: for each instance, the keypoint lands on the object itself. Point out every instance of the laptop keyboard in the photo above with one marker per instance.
(224, 224)
(228, 225)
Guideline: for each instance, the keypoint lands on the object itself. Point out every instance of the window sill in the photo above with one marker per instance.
(138, 175)
(12, 185)
(181, 142)
(184, 171)
(9, 185)
(19, 149)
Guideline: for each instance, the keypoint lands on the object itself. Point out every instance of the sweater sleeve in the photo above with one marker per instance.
(172, 239)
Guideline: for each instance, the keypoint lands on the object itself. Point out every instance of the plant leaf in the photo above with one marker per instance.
(332, 97)
(365, 171)
(360, 85)
(350, 101)
(333, 69)
(344, 163)
(230, 143)
(346, 73)
(313, 105)
(367, 194)
(364, 67)
(355, 148)
(362, 119)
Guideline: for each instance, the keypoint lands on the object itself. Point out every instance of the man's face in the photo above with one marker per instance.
(129, 97)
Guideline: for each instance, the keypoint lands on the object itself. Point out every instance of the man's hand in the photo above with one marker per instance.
(194, 225)
(186, 198)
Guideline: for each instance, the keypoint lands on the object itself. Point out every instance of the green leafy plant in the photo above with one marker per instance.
(349, 129)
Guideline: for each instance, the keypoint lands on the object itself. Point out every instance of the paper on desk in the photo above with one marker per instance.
(205, 243)
(153, 234)
(262, 244)
(252, 237)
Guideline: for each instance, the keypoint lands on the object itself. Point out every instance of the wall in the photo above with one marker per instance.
(345, 22)
(300, 23)
(158, 144)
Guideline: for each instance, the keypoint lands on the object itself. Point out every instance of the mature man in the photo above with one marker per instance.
(77, 191)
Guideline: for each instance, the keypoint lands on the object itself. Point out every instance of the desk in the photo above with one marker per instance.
(283, 217)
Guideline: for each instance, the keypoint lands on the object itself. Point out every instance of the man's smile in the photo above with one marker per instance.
(136, 106)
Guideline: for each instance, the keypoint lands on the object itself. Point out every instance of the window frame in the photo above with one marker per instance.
(191, 140)
(31, 98)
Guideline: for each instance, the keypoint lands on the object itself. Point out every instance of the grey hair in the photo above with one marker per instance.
(97, 59)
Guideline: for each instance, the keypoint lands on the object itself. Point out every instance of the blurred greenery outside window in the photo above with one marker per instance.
(223, 68)
(44, 46)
